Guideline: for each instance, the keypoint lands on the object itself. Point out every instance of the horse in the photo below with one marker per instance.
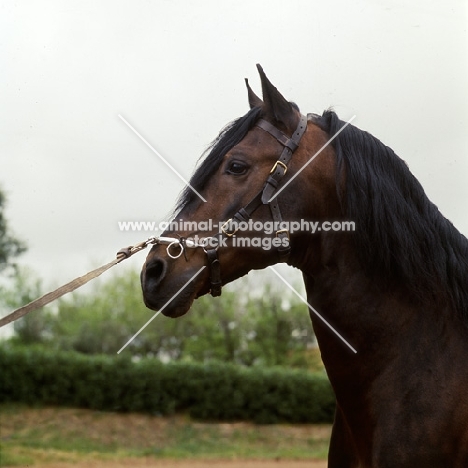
(395, 287)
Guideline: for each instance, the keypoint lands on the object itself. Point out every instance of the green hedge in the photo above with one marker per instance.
(214, 391)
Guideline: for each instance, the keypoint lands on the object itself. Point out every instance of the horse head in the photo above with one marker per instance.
(257, 179)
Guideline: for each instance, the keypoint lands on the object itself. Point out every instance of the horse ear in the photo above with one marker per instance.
(275, 105)
(254, 100)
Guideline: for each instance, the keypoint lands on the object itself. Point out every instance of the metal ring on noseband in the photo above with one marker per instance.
(176, 243)
(173, 242)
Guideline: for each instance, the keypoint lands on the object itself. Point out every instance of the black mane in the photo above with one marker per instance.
(230, 136)
(400, 234)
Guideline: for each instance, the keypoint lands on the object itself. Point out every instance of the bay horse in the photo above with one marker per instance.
(396, 287)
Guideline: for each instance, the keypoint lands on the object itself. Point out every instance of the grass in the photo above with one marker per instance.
(31, 436)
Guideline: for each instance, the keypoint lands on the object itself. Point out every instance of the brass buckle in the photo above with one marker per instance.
(273, 169)
(224, 228)
(283, 231)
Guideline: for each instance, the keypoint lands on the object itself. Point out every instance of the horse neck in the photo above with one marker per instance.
(383, 322)
(409, 354)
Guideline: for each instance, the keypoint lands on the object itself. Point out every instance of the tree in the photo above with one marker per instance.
(19, 291)
(10, 247)
(24, 287)
(103, 320)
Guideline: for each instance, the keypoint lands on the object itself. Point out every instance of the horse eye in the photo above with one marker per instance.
(237, 168)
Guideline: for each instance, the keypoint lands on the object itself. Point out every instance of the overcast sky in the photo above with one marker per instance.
(175, 70)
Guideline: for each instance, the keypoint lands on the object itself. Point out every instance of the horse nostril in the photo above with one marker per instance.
(154, 273)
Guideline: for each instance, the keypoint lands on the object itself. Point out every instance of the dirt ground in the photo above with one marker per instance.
(44, 435)
(151, 463)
